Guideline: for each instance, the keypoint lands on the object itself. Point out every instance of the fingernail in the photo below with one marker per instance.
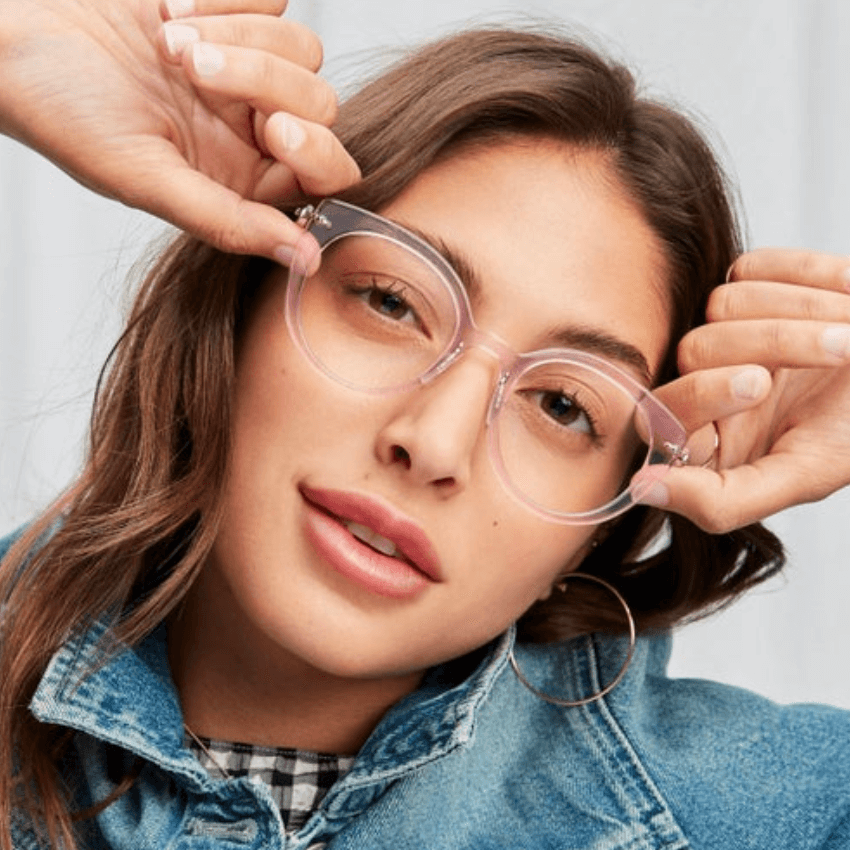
(648, 488)
(180, 8)
(657, 495)
(845, 279)
(178, 37)
(303, 259)
(208, 60)
(749, 384)
(291, 132)
(284, 255)
(836, 341)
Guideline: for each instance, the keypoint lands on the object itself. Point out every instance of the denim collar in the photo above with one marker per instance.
(128, 699)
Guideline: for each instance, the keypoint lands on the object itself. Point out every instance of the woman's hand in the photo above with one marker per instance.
(202, 120)
(784, 418)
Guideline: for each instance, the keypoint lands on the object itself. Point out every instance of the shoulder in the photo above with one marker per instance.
(720, 766)
(7, 541)
(736, 769)
(659, 761)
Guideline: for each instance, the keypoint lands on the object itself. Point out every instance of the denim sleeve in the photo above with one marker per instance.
(839, 839)
(6, 542)
(23, 836)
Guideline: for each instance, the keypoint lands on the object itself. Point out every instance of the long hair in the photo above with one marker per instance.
(125, 542)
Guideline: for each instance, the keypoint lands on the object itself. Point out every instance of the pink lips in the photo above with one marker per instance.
(328, 510)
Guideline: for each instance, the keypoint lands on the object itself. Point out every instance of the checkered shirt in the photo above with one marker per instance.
(298, 780)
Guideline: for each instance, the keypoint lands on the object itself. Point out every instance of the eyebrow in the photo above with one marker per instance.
(585, 337)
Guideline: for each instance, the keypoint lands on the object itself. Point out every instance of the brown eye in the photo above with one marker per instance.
(388, 303)
(566, 411)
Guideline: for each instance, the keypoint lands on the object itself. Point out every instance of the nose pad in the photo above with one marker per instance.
(435, 429)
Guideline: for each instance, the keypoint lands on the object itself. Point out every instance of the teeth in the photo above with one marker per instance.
(372, 538)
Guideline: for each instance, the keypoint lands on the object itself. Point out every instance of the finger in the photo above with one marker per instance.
(171, 9)
(762, 300)
(732, 498)
(221, 217)
(286, 39)
(769, 342)
(312, 152)
(708, 395)
(257, 78)
(808, 268)
(703, 447)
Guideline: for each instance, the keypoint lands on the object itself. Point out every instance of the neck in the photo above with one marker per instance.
(235, 684)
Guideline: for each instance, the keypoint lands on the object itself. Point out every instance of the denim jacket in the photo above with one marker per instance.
(475, 762)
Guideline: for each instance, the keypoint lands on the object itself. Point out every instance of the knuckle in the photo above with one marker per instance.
(775, 338)
(354, 173)
(810, 306)
(309, 47)
(717, 522)
(807, 266)
(230, 236)
(693, 351)
(717, 518)
(327, 104)
(699, 394)
(723, 302)
(240, 33)
(266, 76)
(743, 267)
(324, 154)
(339, 169)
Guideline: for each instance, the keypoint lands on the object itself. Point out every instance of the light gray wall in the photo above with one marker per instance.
(769, 76)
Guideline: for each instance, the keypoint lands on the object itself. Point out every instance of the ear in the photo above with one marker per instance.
(573, 564)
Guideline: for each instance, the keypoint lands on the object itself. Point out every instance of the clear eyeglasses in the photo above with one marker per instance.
(386, 313)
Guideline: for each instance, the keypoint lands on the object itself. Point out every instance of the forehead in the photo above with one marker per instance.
(548, 240)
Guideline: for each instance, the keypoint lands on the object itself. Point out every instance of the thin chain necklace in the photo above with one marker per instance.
(222, 770)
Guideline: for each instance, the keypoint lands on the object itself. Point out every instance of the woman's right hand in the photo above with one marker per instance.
(202, 120)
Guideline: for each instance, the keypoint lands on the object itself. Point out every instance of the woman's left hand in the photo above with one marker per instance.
(771, 371)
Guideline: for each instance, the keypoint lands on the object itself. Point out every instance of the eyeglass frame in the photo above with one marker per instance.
(666, 444)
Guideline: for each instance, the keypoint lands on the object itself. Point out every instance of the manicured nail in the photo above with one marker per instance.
(750, 384)
(303, 259)
(180, 8)
(208, 60)
(836, 341)
(284, 255)
(178, 37)
(291, 132)
(648, 488)
(656, 496)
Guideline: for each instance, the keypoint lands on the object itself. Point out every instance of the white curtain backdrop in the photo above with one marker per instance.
(769, 77)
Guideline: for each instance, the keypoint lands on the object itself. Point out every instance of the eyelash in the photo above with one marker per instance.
(395, 289)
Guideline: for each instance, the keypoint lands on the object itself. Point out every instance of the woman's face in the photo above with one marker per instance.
(553, 244)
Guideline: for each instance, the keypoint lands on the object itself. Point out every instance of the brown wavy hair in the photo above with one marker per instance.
(130, 535)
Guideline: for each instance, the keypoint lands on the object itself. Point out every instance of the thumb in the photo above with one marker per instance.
(218, 215)
(720, 501)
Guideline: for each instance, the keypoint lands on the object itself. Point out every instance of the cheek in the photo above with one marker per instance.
(520, 557)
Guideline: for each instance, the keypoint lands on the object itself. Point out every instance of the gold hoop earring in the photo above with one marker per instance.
(563, 703)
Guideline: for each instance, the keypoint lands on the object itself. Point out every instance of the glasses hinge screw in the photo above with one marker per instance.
(680, 454)
(309, 216)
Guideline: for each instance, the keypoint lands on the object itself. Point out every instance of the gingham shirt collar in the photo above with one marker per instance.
(298, 780)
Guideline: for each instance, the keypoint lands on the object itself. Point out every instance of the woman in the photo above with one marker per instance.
(319, 497)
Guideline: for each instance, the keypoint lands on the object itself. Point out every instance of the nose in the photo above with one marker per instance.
(435, 432)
